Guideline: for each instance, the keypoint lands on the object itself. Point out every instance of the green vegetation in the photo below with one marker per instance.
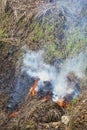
(46, 34)
(74, 101)
(40, 32)
(56, 41)
(52, 52)
(76, 42)
(30, 125)
(6, 25)
(1, 34)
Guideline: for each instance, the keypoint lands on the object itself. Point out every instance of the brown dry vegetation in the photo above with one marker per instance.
(16, 25)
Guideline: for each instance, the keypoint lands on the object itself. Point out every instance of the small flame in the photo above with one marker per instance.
(62, 103)
(33, 90)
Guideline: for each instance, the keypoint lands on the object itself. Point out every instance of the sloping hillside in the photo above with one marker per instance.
(60, 29)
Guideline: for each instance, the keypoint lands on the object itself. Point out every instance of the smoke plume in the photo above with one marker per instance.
(33, 62)
(35, 66)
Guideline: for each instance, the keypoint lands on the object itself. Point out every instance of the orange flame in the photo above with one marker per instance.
(33, 90)
(62, 103)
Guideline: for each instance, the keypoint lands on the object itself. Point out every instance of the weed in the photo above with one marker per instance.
(30, 125)
(1, 33)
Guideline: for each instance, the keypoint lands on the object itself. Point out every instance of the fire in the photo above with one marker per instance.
(63, 103)
(33, 90)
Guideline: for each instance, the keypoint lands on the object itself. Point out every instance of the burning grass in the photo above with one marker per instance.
(36, 114)
(62, 103)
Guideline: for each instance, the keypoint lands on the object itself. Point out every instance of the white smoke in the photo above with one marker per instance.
(71, 9)
(76, 65)
(33, 62)
(34, 66)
